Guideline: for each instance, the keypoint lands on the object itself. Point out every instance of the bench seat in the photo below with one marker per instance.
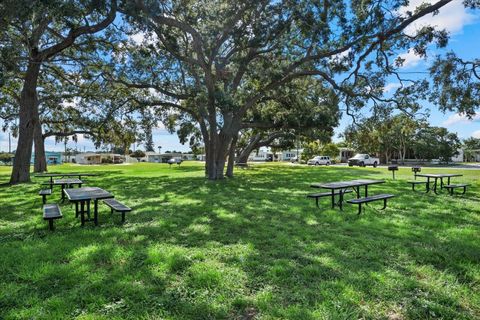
(116, 205)
(368, 199)
(452, 187)
(414, 183)
(50, 213)
(316, 196)
(44, 193)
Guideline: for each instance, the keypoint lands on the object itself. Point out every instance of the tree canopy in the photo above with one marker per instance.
(218, 71)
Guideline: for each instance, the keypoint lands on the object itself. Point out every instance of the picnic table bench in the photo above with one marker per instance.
(117, 206)
(416, 182)
(376, 197)
(44, 193)
(316, 196)
(51, 212)
(451, 187)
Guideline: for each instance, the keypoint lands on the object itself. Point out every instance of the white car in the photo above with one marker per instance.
(363, 160)
(318, 160)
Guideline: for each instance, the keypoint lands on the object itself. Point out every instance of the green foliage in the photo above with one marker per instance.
(436, 143)
(6, 158)
(311, 149)
(252, 247)
(137, 154)
(456, 84)
(331, 150)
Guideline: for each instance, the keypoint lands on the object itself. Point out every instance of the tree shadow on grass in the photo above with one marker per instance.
(201, 250)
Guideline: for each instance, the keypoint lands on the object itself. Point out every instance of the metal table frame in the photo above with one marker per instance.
(342, 186)
(82, 201)
(62, 175)
(436, 176)
(65, 184)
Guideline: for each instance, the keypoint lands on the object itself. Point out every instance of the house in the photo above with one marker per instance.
(459, 157)
(51, 157)
(345, 154)
(260, 155)
(164, 157)
(472, 155)
(152, 157)
(98, 158)
(289, 155)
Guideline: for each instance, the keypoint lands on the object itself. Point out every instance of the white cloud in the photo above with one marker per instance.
(391, 86)
(460, 119)
(410, 59)
(476, 134)
(142, 37)
(452, 17)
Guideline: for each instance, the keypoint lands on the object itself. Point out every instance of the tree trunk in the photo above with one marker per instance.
(231, 157)
(252, 145)
(28, 118)
(40, 161)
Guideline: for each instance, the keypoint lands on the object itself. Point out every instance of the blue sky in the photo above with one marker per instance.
(464, 27)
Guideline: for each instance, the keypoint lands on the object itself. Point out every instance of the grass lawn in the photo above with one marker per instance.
(249, 248)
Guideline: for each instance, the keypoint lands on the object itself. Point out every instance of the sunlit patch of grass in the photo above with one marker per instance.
(249, 247)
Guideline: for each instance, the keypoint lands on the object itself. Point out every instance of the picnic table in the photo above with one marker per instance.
(66, 183)
(63, 175)
(341, 187)
(82, 198)
(437, 176)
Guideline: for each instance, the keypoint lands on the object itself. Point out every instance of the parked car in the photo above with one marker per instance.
(318, 160)
(174, 160)
(363, 160)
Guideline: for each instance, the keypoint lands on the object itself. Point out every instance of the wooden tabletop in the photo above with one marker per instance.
(87, 193)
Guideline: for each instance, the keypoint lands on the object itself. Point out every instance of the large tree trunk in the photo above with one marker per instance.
(40, 161)
(231, 157)
(252, 145)
(28, 118)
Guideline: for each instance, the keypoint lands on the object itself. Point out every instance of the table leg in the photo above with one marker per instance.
(340, 201)
(428, 185)
(357, 191)
(76, 209)
(366, 190)
(63, 194)
(82, 212)
(95, 211)
(333, 198)
(88, 209)
(448, 180)
(435, 186)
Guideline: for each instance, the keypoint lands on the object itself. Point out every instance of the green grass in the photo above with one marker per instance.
(249, 248)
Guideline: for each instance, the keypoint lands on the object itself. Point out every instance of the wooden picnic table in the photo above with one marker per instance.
(437, 176)
(343, 186)
(82, 198)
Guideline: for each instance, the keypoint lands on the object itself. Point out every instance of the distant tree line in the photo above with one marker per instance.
(401, 136)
